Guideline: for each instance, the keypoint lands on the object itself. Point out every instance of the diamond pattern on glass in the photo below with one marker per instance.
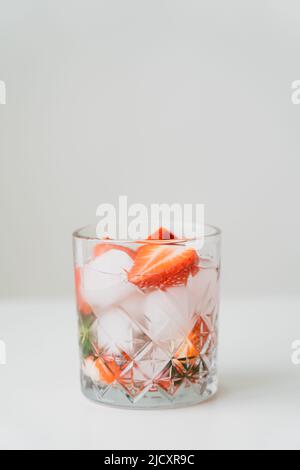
(158, 346)
(138, 364)
(134, 382)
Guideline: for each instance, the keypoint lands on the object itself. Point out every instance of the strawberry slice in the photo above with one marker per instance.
(162, 266)
(195, 341)
(162, 234)
(108, 370)
(102, 248)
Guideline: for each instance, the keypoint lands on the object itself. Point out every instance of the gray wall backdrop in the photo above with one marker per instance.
(162, 100)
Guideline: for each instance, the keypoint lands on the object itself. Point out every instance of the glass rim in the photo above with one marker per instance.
(214, 231)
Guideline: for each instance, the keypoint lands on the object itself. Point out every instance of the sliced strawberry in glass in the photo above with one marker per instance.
(108, 369)
(162, 234)
(162, 266)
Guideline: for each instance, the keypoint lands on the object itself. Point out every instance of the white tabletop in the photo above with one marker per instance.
(258, 405)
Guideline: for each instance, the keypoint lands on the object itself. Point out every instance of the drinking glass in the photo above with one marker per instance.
(148, 319)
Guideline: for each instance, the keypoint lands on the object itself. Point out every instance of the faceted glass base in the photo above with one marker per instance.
(152, 374)
(187, 394)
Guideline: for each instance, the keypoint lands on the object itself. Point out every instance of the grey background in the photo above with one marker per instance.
(162, 100)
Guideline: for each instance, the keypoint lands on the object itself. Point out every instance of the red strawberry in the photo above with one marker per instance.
(162, 266)
(108, 370)
(195, 341)
(162, 234)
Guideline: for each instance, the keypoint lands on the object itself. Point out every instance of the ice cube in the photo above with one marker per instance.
(203, 290)
(169, 314)
(115, 332)
(134, 305)
(104, 282)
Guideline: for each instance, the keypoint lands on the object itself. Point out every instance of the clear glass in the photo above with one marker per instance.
(147, 342)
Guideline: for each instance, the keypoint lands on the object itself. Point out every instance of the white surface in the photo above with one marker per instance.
(258, 405)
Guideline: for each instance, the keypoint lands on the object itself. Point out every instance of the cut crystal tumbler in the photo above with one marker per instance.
(148, 316)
